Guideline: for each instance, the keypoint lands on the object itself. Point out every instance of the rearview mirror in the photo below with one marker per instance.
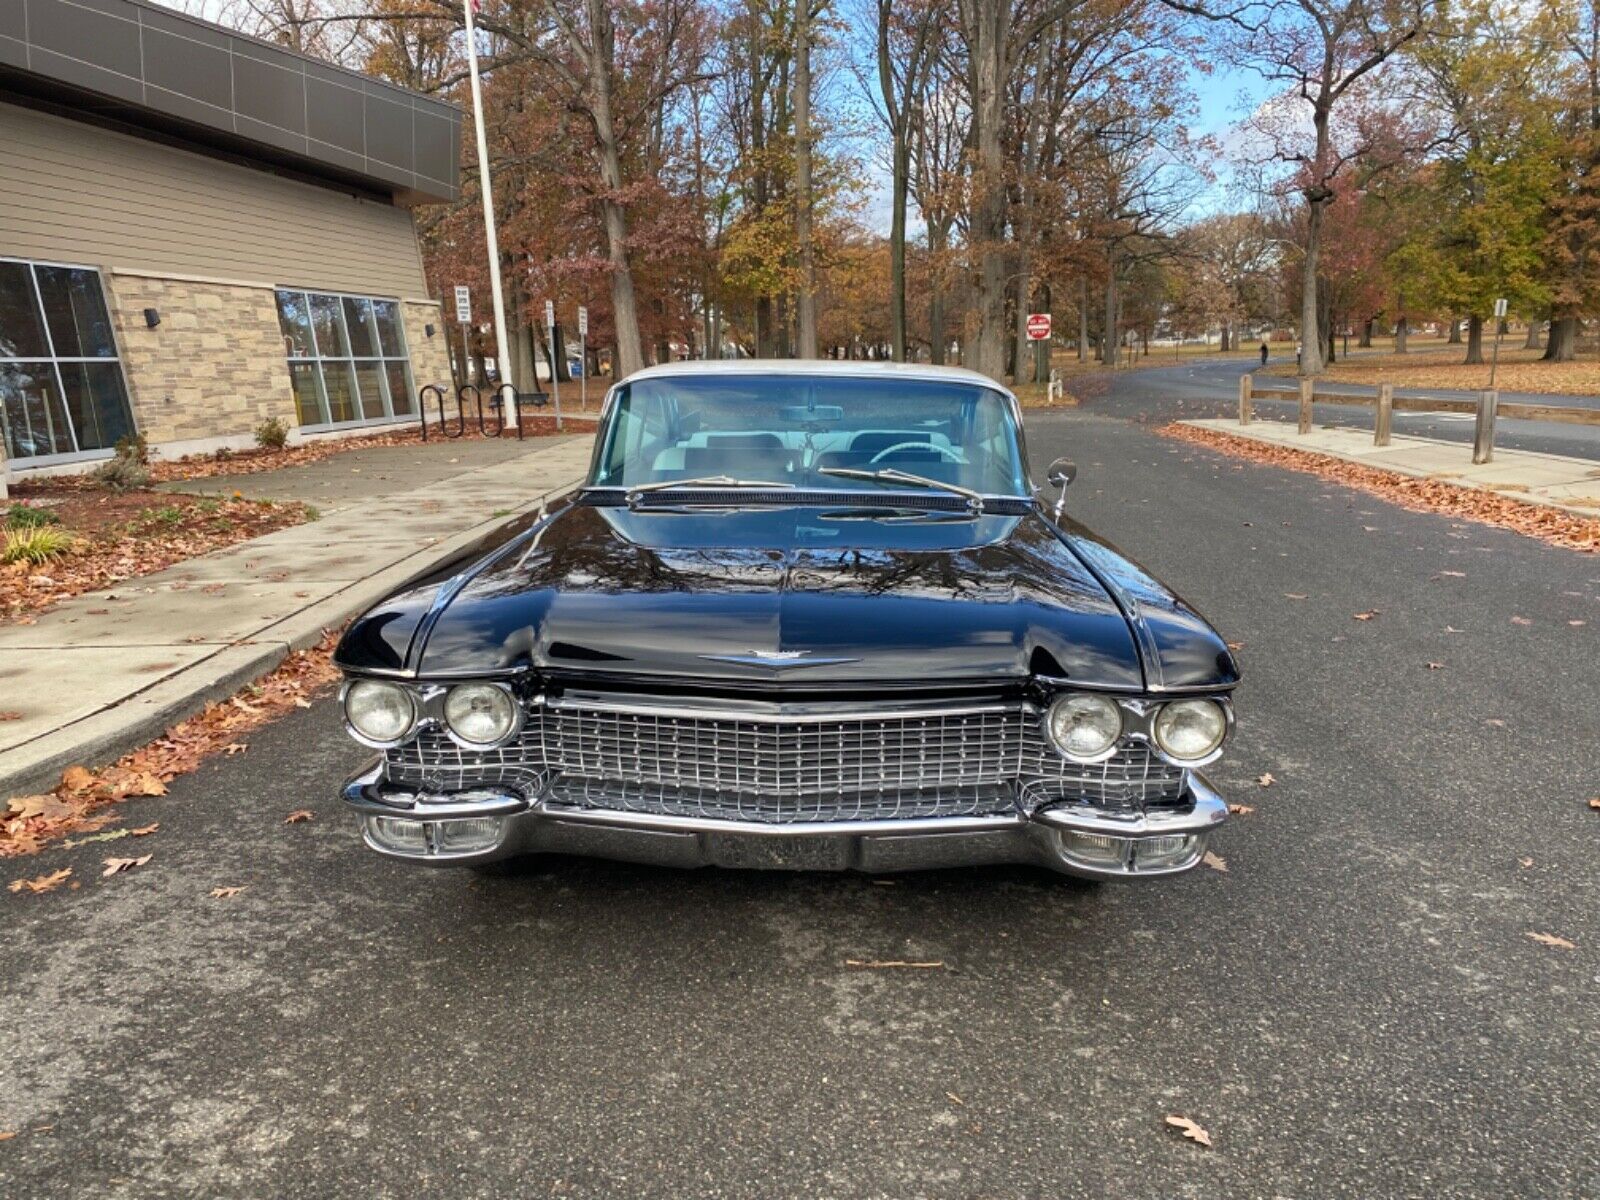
(1062, 472)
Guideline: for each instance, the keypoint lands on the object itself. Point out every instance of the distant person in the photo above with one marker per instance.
(1263, 354)
(1297, 353)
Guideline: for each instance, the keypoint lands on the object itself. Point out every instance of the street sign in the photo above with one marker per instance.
(549, 314)
(1500, 307)
(1038, 326)
(463, 304)
(583, 321)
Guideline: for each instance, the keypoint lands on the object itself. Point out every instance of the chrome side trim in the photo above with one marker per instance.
(770, 713)
(669, 824)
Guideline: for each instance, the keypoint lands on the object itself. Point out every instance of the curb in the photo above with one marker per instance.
(140, 718)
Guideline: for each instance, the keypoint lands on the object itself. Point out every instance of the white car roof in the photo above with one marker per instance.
(822, 367)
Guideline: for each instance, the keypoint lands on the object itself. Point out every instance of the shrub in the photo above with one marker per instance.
(272, 434)
(134, 446)
(20, 516)
(169, 515)
(35, 546)
(125, 470)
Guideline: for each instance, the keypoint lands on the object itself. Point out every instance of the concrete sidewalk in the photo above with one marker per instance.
(1572, 484)
(107, 671)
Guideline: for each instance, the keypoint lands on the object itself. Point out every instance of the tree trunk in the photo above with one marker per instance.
(763, 333)
(988, 51)
(1474, 341)
(1401, 329)
(1562, 345)
(1023, 372)
(1534, 341)
(1227, 336)
(1310, 308)
(1366, 334)
(1455, 332)
(897, 248)
(1083, 318)
(1108, 332)
(806, 297)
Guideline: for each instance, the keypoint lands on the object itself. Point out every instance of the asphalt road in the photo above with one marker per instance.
(1211, 389)
(1354, 1009)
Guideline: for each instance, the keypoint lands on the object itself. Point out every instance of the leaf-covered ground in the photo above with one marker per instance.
(1519, 371)
(1423, 495)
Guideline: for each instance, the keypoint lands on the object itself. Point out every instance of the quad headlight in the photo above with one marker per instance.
(379, 712)
(480, 714)
(1085, 727)
(1190, 730)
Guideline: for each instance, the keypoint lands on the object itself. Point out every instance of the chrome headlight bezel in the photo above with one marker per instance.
(509, 697)
(1109, 704)
(1224, 711)
(366, 739)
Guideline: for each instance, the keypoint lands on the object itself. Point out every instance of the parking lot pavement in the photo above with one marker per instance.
(1355, 1008)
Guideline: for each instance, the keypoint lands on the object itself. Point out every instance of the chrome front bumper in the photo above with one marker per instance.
(1075, 840)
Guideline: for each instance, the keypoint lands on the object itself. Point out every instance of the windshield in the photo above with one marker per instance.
(811, 431)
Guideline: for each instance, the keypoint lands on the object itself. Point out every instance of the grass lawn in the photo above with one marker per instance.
(1432, 364)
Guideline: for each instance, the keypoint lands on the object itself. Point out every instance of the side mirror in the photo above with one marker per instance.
(1061, 473)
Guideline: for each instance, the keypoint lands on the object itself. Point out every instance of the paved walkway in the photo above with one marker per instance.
(1569, 483)
(107, 671)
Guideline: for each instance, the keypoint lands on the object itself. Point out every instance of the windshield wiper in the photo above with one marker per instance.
(891, 475)
(718, 481)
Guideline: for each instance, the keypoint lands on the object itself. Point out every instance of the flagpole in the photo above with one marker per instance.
(501, 337)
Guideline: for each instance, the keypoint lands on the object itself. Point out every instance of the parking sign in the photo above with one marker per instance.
(583, 321)
(550, 314)
(463, 304)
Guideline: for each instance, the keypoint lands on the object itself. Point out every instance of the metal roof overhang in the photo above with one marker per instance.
(156, 72)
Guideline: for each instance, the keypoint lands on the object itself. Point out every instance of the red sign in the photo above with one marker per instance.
(1038, 326)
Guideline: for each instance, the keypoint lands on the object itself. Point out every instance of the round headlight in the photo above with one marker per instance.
(378, 711)
(1084, 726)
(1190, 729)
(480, 713)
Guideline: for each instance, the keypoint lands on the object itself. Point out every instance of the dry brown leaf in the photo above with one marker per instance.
(1215, 861)
(77, 779)
(1521, 621)
(1524, 863)
(116, 866)
(1294, 596)
(299, 815)
(1365, 616)
(51, 807)
(224, 893)
(1266, 780)
(233, 748)
(1436, 666)
(145, 830)
(7, 1134)
(1569, 623)
(955, 1099)
(1594, 802)
(16, 716)
(1240, 810)
(882, 964)
(146, 783)
(1550, 939)
(41, 883)
(1189, 1129)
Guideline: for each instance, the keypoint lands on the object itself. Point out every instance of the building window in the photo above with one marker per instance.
(347, 358)
(61, 387)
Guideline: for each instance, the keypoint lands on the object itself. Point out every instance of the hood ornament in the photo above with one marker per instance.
(775, 658)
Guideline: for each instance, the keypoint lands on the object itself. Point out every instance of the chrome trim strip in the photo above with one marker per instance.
(668, 824)
(789, 714)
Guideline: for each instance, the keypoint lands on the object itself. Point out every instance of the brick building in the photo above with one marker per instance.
(200, 231)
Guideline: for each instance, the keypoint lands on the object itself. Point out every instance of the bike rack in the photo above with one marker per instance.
(422, 406)
(498, 404)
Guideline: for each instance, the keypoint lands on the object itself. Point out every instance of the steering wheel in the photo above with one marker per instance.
(950, 455)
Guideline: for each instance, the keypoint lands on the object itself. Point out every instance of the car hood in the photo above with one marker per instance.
(866, 596)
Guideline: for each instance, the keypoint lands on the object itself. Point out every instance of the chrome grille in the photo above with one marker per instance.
(736, 766)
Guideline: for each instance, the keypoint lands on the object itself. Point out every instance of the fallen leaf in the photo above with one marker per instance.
(1524, 863)
(1294, 596)
(299, 815)
(1365, 616)
(1521, 621)
(1594, 802)
(1266, 780)
(50, 807)
(955, 1099)
(146, 783)
(1573, 623)
(16, 716)
(1190, 1130)
(7, 1134)
(41, 883)
(115, 866)
(881, 964)
(77, 779)
(1550, 939)
(233, 748)
(1436, 666)
(1215, 861)
(224, 893)
(146, 830)
(1240, 810)
(1235, 645)
(1451, 575)
(1496, 722)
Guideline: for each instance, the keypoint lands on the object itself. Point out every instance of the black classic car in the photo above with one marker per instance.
(801, 615)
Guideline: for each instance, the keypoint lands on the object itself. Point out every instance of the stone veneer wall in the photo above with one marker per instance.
(213, 368)
(430, 360)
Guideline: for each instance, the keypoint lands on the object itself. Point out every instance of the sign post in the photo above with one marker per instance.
(583, 353)
(1499, 323)
(463, 319)
(555, 365)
